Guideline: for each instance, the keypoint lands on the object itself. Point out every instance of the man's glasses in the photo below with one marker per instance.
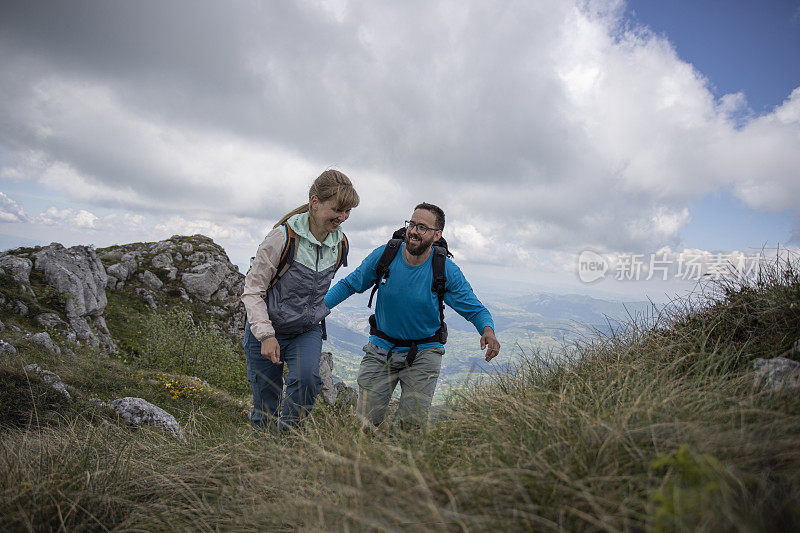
(422, 229)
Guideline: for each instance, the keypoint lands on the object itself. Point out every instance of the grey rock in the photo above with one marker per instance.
(50, 378)
(326, 373)
(72, 338)
(18, 268)
(2, 326)
(205, 280)
(119, 271)
(161, 247)
(162, 261)
(99, 323)
(137, 411)
(151, 280)
(7, 347)
(20, 308)
(184, 294)
(49, 320)
(81, 328)
(15, 329)
(172, 274)
(776, 374)
(76, 271)
(186, 247)
(178, 257)
(147, 296)
(111, 282)
(43, 339)
(345, 396)
(97, 402)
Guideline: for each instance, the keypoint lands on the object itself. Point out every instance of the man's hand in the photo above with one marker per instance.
(271, 350)
(488, 339)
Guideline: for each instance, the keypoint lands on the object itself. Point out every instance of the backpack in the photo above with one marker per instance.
(289, 251)
(440, 255)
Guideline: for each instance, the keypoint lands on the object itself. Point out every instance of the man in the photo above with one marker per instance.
(408, 322)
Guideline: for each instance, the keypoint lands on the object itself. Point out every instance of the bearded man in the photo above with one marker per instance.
(407, 336)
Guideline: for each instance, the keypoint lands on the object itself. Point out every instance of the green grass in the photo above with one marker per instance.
(656, 427)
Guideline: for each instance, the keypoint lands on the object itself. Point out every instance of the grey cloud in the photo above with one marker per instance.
(545, 126)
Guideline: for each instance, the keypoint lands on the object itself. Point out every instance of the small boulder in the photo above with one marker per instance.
(8, 348)
(43, 339)
(162, 261)
(50, 320)
(137, 411)
(345, 396)
(18, 268)
(777, 374)
(147, 296)
(50, 378)
(151, 280)
(20, 308)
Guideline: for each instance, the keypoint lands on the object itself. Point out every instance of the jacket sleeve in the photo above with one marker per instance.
(462, 299)
(257, 280)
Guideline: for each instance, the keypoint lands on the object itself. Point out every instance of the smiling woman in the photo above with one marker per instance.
(283, 296)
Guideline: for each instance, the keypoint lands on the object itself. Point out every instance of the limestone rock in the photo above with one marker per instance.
(147, 296)
(18, 268)
(50, 378)
(137, 411)
(345, 396)
(162, 261)
(49, 320)
(43, 339)
(777, 374)
(151, 280)
(76, 271)
(20, 308)
(6, 347)
(326, 373)
(205, 280)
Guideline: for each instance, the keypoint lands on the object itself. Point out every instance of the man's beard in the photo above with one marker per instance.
(417, 247)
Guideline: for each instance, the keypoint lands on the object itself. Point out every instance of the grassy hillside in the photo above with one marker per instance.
(657, 426)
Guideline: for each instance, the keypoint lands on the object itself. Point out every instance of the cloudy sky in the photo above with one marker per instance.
(543, 128)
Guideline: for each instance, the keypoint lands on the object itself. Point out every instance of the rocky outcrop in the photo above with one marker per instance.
(137, 412)
(776, 374)
(194, 269)
(78, 272)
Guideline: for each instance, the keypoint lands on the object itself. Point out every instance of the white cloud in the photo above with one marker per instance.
(80, 218)
(10, 211)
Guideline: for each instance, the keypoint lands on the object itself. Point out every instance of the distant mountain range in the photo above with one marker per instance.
(523, 323)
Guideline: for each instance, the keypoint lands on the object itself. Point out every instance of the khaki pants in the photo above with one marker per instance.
(378, 376)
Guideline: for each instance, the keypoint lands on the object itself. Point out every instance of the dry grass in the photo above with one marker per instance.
(656, 427)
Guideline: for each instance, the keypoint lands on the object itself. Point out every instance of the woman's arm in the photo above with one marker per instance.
(257, 281)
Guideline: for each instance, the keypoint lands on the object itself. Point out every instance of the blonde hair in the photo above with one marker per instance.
(329, 184)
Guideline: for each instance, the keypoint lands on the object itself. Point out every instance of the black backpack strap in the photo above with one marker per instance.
(382, 269)
(344, 248)
(439, 277)
(287, 254)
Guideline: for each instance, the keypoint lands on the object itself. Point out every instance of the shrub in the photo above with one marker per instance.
(176, 342)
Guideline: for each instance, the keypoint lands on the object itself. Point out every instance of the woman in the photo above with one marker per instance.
(284, 314)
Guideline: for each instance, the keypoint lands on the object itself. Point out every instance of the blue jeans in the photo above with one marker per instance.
(300, 354)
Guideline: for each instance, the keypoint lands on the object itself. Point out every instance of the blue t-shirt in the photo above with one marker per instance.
(406, 306)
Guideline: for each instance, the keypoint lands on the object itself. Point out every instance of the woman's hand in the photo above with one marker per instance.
(271, 350)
